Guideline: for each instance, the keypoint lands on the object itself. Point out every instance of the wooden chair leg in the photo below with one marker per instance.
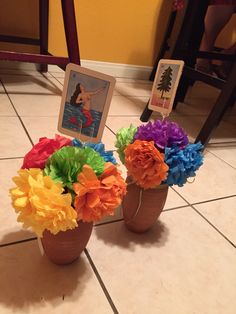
(181, 91)
(164, 47)
(146, 114)
(43, 30)
(68, 11)
(218, 110)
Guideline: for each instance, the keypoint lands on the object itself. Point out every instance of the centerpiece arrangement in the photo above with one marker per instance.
(63, 187)
(157, 155)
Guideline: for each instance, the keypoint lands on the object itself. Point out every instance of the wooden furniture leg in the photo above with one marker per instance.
(216, 114)
(72, 42)
(43, 30)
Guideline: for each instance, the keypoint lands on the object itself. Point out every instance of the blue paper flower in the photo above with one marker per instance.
(99, 148)
(183, 163)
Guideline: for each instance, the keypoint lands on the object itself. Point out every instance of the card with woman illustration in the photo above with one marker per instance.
(85, 103)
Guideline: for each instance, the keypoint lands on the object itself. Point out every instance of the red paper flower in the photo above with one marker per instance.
(38, 155)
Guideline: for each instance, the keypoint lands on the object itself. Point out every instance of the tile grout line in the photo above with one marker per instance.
(105, 291)
(56, 78)
(214, 227)
(17, 242)
(108, 222)
(220, 159)
(214, 199)
(221, 233)
(111, 131)
(7, 158)
(21, 121)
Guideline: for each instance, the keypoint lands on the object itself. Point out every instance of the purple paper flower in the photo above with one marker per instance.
(163, 133)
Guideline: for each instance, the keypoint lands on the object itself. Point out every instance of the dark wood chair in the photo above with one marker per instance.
(186, 48)
(44, 58)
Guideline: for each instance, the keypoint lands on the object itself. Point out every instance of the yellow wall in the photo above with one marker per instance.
(120, 31)
(19, 18)
(228, 34)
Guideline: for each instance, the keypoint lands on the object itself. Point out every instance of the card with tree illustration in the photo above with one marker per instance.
(85, 103)
(165, 85)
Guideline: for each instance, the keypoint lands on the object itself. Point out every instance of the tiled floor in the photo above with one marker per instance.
(185, 265)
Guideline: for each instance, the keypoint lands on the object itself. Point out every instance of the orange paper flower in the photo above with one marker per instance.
(98, 196)
(145, 164)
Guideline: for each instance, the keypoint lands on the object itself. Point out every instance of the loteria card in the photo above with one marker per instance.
(85, 103)
(165, 85)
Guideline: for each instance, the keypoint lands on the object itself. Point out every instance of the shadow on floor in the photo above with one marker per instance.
(117, 234)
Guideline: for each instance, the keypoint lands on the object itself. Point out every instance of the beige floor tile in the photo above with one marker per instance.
(221, 214)
(32, 284)
(225, 151)
(14, 141)
(47, 126)
(133, 88)
(23, 72)
(131, 80)
(55, 69)
(123, 106)
(181, 266)
(192, 125)
(10, 229)
(213, 180)
(116, 123)
(38, 106)
(31, 84)
(6, 108)
(58, 75)
(41, 127)
(59, 79)
(108, 139)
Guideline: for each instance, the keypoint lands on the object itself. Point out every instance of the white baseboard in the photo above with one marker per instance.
(115, 69)
(119, 69)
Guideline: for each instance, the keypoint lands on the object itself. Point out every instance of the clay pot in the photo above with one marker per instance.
(141, 208)
(66, 246)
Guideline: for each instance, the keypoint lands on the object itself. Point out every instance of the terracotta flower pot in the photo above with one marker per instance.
(66, 246)
(141, 208)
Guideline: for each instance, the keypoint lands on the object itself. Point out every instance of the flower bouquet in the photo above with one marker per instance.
(157, 155)
(63, 187)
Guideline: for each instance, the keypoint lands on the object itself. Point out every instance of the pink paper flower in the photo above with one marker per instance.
(38, 155)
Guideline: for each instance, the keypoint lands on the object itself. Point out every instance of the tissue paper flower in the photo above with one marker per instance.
(163, 133)
(145, 164)
(168, 159)
(98, 196)
(41, 204)
(44, 197)
(40, 152)
(65, 164)
(123, 138)
(183, 163)
(99, 148)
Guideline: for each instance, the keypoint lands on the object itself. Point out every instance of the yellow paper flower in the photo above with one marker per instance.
(41, 204)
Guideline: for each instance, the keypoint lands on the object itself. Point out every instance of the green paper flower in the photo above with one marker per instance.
(124, 137)
(65, 164)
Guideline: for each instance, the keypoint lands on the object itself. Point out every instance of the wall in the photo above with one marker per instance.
(19, 18)
(120, 31)
(115, 31)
